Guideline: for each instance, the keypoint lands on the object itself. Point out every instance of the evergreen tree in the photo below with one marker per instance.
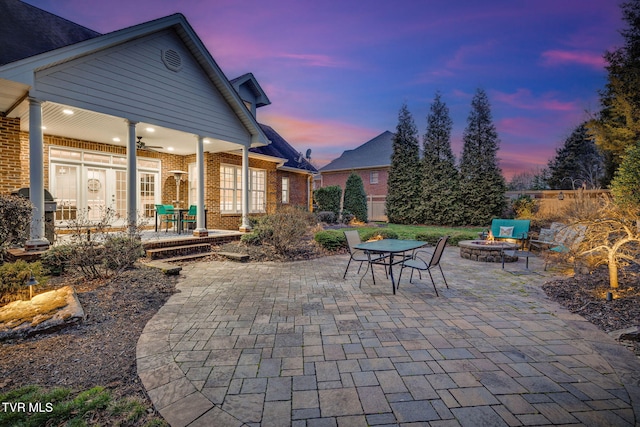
(355, 199)
(626, 183)
(578, 162)
(617, 125)
(403, 191)
(440, 180)
(482, 185)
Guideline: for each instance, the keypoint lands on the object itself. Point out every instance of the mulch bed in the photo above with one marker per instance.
(585, 294)
(100, 351)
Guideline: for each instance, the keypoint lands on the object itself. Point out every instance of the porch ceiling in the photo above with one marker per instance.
(97, 127)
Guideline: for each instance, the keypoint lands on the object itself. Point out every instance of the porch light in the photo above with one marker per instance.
(561, 196)
(116, 139)
(67, 112)
(170, 148)
(150, 129)
(206, 141)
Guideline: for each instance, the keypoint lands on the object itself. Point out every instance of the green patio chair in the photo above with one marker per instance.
(167, 215)
(190, 217)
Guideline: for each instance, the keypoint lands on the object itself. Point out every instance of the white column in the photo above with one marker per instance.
(37, 239)
(246, 226)
(201, 230)
(132, 178)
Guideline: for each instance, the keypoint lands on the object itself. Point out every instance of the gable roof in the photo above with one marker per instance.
(19, 40)
(373, 153)
(279, 147)
(250, 82)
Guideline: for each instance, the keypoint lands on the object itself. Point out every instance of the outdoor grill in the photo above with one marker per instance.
(50, 207)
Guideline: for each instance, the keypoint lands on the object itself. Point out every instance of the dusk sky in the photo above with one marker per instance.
(338, 71)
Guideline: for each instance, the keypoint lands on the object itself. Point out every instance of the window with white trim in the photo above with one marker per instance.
(285, 190)
(373, 177)
(231, 189)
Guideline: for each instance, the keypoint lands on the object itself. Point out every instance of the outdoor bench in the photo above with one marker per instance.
(517, 229)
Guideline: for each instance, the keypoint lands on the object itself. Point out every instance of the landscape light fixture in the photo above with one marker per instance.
(31, 282)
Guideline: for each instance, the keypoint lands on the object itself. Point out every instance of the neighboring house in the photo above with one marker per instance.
(371, 161)
(110, 121)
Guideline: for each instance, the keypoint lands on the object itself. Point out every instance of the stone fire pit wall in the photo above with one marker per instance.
(473, 250)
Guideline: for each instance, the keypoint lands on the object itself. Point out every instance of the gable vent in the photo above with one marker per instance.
(172, 59)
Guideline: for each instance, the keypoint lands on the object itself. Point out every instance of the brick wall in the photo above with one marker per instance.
(10, 158)
(340, 178)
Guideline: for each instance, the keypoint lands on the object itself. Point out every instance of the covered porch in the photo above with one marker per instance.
(126, 121)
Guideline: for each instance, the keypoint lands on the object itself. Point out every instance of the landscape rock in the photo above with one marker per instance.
(628, 334)
(46, 312)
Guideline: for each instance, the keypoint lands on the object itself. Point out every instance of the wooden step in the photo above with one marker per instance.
(174, 251)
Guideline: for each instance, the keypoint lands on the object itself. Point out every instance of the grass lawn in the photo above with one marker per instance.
(410, 231)
(334, 239)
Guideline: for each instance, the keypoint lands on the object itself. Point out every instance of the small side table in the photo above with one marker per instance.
(517, 253)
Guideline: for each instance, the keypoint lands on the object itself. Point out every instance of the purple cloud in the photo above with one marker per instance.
(559, 57)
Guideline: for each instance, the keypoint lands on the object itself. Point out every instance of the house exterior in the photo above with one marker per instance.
(134, 118)
(371, 161)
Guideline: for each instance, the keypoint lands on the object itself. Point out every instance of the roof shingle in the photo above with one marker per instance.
(19, 40)
(279, 147)
(374, 153)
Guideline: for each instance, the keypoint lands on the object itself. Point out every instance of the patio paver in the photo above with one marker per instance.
(294, 344)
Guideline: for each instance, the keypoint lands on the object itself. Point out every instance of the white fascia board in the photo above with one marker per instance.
(295, 170)
(279, 161)
(353, 169)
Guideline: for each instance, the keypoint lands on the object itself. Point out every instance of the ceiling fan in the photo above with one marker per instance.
(141, 145)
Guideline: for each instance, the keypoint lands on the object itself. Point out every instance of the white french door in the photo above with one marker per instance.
(98, 196)
(94, 190)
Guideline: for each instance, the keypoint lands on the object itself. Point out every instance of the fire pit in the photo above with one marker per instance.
(486, 250)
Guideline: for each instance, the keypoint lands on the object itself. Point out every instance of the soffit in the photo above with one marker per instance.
(96, 127)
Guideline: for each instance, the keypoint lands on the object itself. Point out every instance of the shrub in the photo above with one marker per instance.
(347, 217)
(121, 252)
(355, 199)
(103, 253)
(328, 198)
(56, 259)
(328, 217)
(331, 240)
(524, 207)
(383, 233)
(284, 230)
(13, 278)
(15, 218)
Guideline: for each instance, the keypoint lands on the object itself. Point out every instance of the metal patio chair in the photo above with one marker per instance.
(353, 238)
(419, 262)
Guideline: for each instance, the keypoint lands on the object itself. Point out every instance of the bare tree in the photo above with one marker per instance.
(612, 235)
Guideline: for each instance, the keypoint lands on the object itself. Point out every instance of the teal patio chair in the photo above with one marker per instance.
(167, 215)
(190, 217)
